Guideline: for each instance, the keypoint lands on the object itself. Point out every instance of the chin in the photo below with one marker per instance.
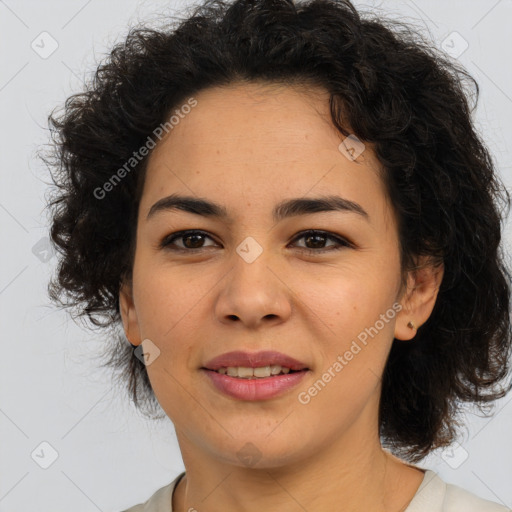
(259, 452)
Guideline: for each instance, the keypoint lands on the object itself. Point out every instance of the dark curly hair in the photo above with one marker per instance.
(388, 86)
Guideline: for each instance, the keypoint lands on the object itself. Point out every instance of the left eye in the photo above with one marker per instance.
(316, 237)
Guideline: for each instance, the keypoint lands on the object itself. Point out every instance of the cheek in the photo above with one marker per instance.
(165, 300)
(346, 299)
(347, 317)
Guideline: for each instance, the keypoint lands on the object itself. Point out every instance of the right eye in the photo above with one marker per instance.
(190, 240)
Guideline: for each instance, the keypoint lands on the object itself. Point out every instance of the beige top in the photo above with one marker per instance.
(433, 495)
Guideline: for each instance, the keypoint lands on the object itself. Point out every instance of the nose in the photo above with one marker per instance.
(254, 293)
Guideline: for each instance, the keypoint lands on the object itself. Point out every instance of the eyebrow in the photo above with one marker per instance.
(283, 210)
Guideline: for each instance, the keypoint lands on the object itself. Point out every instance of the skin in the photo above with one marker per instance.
(248, 147)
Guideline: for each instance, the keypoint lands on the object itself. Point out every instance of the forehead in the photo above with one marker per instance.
(270, 121)
(260, 140)
(238, 116)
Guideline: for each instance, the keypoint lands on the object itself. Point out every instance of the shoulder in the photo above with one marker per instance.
(160, 501)
(458, 498)
(435, 495)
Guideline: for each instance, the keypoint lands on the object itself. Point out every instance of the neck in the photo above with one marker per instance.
(355, 475)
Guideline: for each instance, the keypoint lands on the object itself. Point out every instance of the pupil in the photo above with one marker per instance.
(194, 246)
(310, 237)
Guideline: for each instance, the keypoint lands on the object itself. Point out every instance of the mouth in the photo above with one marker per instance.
(254, 364)
(255, 376)
(260, 372)
(251, 387)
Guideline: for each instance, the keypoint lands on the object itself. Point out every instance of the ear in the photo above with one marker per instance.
(419, 298)
(129, 314)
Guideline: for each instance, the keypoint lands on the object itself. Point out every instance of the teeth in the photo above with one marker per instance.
(264, 371)
(244, 372)
(275, 369)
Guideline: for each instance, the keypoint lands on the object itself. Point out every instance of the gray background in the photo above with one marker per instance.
(110, 458)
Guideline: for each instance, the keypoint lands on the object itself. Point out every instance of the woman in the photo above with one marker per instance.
(288, 210)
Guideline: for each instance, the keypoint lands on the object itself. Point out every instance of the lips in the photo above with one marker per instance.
(254, 360)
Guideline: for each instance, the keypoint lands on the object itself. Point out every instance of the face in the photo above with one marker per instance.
(249, 281)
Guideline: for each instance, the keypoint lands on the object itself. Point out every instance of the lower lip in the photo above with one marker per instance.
(255, 389)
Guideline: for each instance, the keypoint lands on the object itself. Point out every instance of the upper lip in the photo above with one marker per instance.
(254, 360)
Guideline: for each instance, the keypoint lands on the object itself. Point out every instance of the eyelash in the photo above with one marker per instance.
(169, 239)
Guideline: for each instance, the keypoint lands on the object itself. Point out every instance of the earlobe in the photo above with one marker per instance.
(419, 299)
(129, 315)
